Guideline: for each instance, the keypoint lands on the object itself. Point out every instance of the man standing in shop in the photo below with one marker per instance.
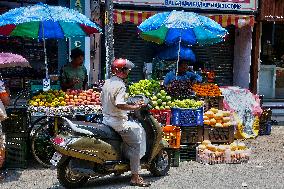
(183, 74)
(115, 109)
(74, 75)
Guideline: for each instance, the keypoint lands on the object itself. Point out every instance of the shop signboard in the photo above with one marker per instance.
(78, 5)
(228, 5)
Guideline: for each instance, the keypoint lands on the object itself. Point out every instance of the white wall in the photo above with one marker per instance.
(242, 56)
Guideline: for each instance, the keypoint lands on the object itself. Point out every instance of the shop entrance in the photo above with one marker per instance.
(271, 75)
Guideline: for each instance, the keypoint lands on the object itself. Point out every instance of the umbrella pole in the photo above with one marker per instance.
(178, 54)
(44, 50)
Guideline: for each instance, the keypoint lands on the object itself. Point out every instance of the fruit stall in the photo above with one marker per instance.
(57, 102)
(204, 122)
(200, 121)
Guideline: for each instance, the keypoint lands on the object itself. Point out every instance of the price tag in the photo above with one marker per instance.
(46, 84)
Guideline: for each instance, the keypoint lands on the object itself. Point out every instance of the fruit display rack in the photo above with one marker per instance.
(64, 110)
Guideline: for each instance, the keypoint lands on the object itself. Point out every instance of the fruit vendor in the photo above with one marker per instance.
(183, 74)
(113, 99)
(74, 75)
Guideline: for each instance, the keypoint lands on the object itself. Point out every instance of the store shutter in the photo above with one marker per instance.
(127, 44)
(219, 58)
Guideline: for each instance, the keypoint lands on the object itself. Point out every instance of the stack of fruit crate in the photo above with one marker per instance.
(16, 131)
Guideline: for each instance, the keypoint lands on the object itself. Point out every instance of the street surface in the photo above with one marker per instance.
(265, 170)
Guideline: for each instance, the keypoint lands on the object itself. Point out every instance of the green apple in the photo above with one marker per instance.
(167, 107)
(157, 108)
(155, 103)
(164, 104)
(162, 108)
(163, 92)
(159, 95)
(168, 98)
(154, 98)
(159, 101)
(148, 94)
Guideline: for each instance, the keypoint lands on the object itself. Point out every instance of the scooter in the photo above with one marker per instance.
(90, 150)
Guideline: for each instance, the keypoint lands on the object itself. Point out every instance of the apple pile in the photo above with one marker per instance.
(80, 97)
(161, 101)
(145, 87)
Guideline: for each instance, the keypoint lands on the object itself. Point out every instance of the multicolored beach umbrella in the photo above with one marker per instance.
(42, 21)
(179, 26)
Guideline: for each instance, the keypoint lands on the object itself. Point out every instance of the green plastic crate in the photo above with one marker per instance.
(16, 150)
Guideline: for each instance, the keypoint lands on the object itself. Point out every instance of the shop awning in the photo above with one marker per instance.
(137, 17)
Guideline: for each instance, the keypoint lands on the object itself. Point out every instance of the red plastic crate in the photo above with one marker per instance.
(162, 116)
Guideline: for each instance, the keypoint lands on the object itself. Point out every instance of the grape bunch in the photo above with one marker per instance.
(180, 89)
(145, 87)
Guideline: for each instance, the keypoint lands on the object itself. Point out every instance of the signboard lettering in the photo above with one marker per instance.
(231, 5)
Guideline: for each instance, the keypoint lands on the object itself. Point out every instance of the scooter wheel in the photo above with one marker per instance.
(160, 166)
(67, 178)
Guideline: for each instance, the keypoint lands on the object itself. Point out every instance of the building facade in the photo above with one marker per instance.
(230, 60)
(270, 61)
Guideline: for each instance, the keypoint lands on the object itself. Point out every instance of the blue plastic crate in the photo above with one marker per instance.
(187, 117)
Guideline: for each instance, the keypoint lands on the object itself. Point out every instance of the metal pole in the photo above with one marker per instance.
(45, 54)
(109, 36)
(178, 54)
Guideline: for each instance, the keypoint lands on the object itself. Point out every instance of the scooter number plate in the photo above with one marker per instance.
(55, 158)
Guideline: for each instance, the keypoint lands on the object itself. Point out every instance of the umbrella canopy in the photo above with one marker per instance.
(44, 21)
(12, 60)
(179, 26)
(171, 53)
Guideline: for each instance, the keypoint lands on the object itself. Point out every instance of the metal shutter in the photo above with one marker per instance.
(127, 44)
(220, 58)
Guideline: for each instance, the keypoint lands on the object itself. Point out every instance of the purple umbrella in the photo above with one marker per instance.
(12, 60)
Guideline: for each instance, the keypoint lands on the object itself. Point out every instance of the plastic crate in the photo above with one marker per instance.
(17, 120)
(265, 116)
(188, 152)
(219, 134)
(175, 157)
(185, 153)
(213, 102)
(162, 116)
(265, 128)
(191, 135)
(187, 117)
(172, 135)
(16, 150)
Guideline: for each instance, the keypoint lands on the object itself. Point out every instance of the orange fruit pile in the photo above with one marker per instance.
(206, 90)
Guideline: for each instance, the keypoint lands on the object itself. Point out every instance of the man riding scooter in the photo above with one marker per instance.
(115, 109)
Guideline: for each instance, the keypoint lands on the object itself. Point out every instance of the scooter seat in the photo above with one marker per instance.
(98, 130)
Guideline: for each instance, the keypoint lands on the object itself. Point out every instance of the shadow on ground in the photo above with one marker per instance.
(114, 182)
